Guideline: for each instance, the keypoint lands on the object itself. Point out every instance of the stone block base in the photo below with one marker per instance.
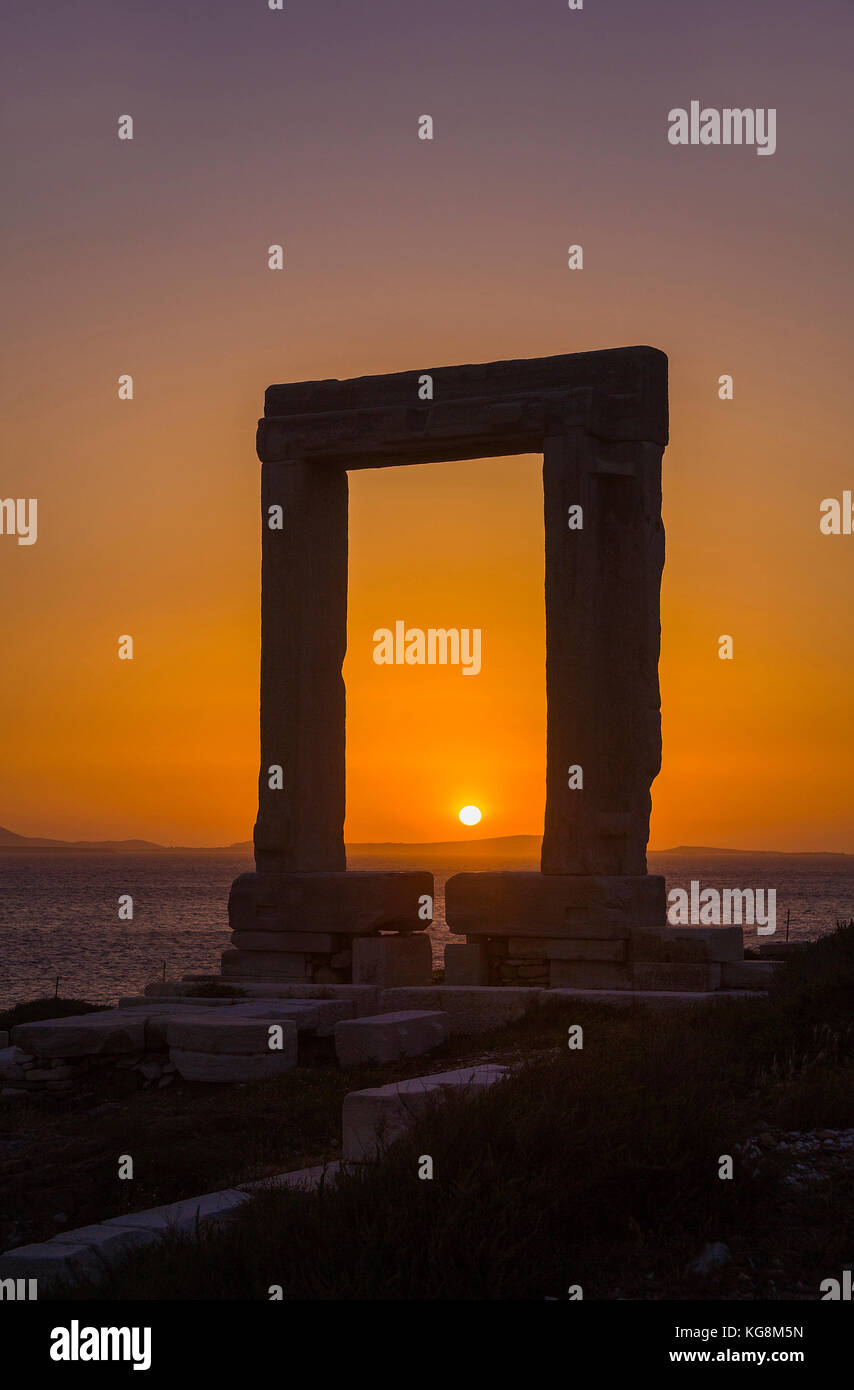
(532, 904)
(588, 974)
(687, 944)
(526, 960)
(470, 1010)
(351, 903)
(391, 961)
(748, 974)
(389, 1037)
(557, 948)
(285, 967)
(654, 975)
(291, 943)
(467, 964)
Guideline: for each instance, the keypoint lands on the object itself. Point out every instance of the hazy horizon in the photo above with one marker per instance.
(473, 841)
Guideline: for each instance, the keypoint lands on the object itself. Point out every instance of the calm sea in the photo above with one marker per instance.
(59, 912)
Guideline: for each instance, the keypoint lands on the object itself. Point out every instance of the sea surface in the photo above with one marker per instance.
(59, 911)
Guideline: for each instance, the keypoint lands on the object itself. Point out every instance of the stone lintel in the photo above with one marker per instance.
(541, 905)
(476, 410)
(616, 371)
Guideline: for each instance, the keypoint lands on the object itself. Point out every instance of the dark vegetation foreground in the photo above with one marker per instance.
(596, 1167)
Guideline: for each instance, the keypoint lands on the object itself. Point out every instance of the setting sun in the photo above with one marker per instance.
(470, 815)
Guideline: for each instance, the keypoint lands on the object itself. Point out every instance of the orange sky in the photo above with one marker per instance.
(399, 257)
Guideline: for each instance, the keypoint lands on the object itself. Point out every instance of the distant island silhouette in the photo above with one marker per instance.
(499, 846)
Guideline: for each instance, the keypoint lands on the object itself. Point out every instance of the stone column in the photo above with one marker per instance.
(602, 587)
(300, 828)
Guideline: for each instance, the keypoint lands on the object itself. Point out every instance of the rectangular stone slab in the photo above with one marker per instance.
(310, 1015)
(388, 961)
(388, 1037)
(110, 1242)
(51, 1262)
(363, 999)
(374, 1118)
(84, 1034)
(472, 1009)
(467, 964)
(532, 904)
(656, 975)
(215, 1032)
(283, 966)
(352, 903)
(184, 1215)
(556, 948)
(688, 943)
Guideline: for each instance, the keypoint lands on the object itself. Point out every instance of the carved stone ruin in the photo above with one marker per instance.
(600, 421)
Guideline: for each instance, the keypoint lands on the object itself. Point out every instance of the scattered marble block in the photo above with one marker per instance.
(50, 1262)
(467, 964)
(11, 1065)
(655, 975)
(748, 974)
(220, 1033)
(111, 1243)
(186, 1215)
(374, 1118)
(158, 1018)
(472, 1009)
(364, 998)
(84, 1035)
(318, 1016)
(388, 1037)
(390, 961)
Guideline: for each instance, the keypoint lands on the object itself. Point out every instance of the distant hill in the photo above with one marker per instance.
(696, 851)
(521, 847)
(9, 840)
